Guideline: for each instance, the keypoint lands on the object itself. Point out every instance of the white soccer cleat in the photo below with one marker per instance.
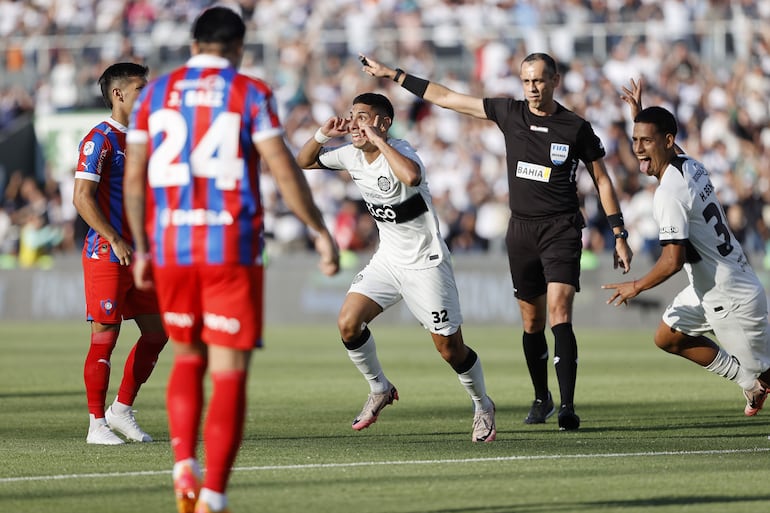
(101, 434)
(373, 406)
(484, 425)
(126, 425)
(755, 399)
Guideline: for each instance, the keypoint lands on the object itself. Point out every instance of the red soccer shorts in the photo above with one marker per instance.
(218, 304)
(111, 295)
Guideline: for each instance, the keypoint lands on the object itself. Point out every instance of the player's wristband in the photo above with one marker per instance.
(615, 220)
(142, 256)
(415, 85)
(320, 138)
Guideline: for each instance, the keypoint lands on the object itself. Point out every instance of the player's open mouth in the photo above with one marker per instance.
(644, 164)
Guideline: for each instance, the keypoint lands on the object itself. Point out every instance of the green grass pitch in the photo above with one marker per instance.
(659, 434)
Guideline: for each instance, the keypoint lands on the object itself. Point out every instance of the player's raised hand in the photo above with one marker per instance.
(336, 126)
(375, 68)
(377, 130)
(633, 96)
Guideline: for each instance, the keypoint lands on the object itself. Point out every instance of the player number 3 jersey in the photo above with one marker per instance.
(687, 211)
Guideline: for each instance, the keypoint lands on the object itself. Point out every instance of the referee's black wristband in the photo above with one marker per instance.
(615, 220)
(415, 85)
(399, 72)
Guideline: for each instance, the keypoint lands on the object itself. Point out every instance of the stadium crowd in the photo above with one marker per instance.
(306, 50)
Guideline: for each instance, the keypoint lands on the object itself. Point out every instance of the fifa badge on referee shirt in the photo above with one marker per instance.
(559, 153)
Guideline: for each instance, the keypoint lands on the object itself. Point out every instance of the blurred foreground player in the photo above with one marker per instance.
(196, 138)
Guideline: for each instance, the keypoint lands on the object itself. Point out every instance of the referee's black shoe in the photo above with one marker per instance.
(540, 411)
(568, 420)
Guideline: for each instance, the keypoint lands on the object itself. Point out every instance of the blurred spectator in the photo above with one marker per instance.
(463, 237)
(9, 240)
(63, 82)
(640, 223)
(14, 101)
(37, 239)
(354, 229)
(31, 238)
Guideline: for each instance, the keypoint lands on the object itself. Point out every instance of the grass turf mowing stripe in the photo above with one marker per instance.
(400, 462)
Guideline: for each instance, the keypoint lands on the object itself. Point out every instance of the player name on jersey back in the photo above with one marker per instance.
(195, 217)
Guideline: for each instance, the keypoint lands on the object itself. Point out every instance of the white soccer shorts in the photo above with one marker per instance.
(742, 330)
(430, 294)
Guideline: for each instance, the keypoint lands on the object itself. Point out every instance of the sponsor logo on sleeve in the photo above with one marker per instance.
(669, 230)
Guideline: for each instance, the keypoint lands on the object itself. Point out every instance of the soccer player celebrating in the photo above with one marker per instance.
(412, 261)
(724, 296)
(107, 254)
(196, 138)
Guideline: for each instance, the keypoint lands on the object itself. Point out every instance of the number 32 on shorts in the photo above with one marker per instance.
(440, 316)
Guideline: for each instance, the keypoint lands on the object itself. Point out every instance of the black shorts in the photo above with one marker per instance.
(544, 251)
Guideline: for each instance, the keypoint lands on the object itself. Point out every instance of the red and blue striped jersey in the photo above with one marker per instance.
(200, 123)
(101, 156)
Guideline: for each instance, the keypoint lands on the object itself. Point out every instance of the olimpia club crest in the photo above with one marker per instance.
(559, 153)
(384, 184)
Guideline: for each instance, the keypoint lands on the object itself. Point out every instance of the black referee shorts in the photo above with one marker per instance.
(544, 251)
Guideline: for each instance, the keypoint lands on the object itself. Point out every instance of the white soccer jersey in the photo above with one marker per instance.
(407, 223)
(687, 210)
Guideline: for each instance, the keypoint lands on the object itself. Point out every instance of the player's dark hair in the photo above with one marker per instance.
(550, 64)
(219, 25)
(117, 72)
(663, 120)
(377, 101)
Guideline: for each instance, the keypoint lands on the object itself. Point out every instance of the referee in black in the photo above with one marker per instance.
(544, 143)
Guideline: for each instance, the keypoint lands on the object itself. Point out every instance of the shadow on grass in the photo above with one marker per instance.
(671, 420)
(595, 505)
(728, 501)
(65, 492)
(42, 394)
